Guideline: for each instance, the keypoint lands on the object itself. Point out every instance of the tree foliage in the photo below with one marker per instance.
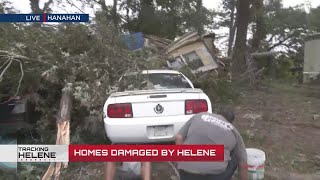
(66, 53)
(165, 18)
(313, 19)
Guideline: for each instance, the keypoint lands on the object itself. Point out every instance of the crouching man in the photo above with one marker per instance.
(207, 128)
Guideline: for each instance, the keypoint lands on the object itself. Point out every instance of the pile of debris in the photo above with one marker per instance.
(198, 52)
(156, 42)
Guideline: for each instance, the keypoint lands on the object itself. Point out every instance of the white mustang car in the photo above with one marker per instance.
(152, 106)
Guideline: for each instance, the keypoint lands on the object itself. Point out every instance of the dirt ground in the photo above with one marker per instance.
(282, 120)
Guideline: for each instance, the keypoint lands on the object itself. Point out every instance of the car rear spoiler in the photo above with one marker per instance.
(158, 91)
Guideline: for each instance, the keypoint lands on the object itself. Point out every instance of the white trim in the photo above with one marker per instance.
(311, 72)
(8, 153)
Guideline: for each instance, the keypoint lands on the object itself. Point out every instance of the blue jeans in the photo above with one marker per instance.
(226, 175)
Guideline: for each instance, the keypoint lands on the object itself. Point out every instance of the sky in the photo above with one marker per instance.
(24, 7)
(286, 3)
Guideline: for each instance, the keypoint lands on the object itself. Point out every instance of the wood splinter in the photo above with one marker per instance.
(63, 131)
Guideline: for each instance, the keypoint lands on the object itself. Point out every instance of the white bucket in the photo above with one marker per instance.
(256, 160)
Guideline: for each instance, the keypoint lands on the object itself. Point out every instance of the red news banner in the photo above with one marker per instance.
(104, 153)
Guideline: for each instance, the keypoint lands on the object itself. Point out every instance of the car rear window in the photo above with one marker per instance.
(153, 81)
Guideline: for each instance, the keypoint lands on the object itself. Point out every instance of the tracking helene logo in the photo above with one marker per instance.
(42, 153)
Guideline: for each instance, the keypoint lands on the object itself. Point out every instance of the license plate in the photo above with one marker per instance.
(161, 131)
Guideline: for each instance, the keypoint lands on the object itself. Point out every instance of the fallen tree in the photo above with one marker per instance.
(70, 63)
(252, 73)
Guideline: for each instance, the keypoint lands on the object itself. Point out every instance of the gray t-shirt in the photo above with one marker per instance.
(207, 128)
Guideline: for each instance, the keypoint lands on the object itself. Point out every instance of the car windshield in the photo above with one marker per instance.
(153, 81)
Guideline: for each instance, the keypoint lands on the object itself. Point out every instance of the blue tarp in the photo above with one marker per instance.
(133, 41)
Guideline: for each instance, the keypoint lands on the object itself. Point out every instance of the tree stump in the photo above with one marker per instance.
(63, 131)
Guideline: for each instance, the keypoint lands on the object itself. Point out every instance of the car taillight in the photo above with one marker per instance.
(123, 110)
(196, 106)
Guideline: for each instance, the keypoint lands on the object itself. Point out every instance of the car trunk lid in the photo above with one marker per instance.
(155, 103)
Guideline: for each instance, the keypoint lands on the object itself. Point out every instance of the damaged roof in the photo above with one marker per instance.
(187, 39)
(157, 41)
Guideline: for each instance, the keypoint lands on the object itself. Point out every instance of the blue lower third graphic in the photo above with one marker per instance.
(15, 18)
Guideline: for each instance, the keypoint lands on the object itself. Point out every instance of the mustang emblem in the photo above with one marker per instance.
(158, 109)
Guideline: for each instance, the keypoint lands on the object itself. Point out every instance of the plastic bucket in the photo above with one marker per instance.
(256, 160)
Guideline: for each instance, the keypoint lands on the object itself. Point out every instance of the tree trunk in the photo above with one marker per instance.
(35, 6)
(259, 32)
(115, 15)
(63, 132)
(174, 20)
(35, 9)
(199, 25)
(146, 17)
(127, 12)
(232, 27)
(240, 49)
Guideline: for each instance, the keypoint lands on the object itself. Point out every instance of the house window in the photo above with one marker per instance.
(193, 60)
(176, 63)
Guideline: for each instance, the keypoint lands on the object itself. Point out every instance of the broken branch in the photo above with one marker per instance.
(72, 4)
(20, 81)
(16, 56)
(5, 69)
(4, 63)
(21, 57)
(21, 78)
(63, 133)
